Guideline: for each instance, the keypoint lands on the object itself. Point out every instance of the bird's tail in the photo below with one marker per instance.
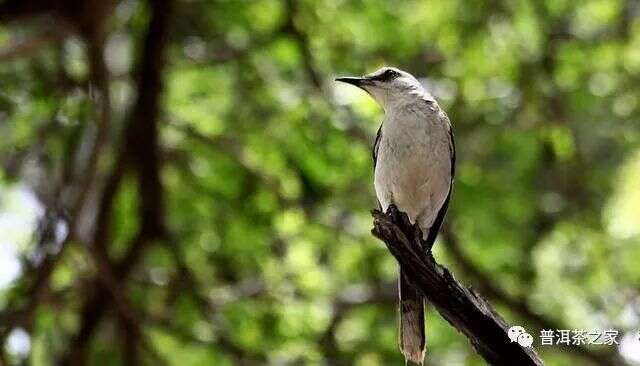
(412, 336)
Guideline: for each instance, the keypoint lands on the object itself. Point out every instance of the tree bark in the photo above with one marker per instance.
(463, 308)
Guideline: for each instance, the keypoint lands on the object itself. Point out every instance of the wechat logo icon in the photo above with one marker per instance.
(520, 335)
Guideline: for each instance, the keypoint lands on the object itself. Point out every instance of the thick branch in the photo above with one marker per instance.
(489, 287)
(461, 307)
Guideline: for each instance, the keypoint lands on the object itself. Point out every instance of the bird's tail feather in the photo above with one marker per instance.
(412, 336)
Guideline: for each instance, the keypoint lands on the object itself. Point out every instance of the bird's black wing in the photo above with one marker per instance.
(435, 228)
(376, 143)
(374, 153)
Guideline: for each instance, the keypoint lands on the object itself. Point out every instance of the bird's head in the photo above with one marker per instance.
(390, 87)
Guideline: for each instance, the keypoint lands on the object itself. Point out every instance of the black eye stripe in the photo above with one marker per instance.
(387, 75)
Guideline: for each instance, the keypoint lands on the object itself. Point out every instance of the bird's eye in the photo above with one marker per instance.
(389, 75)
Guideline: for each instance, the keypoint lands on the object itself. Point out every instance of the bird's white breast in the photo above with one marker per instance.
(413, 167)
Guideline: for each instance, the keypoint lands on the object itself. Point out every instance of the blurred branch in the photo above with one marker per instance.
(489, 287)
(463, 308)
(302, 41)
(140, 149)
(87, 18)
(26, 47)
(131, 329)
(11, 10)
(97, 297)
(78, 174)
(87, 174)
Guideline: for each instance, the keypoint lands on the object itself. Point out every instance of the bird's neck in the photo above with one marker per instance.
(410, 99)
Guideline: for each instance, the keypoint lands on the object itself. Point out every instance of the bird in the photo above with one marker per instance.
(414, 166)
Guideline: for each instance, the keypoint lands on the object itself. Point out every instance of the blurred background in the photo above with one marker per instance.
(182, 182)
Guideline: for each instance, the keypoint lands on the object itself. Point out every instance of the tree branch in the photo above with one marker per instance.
(140, 149)
(489, 287)
(302, 41)
(461, 307)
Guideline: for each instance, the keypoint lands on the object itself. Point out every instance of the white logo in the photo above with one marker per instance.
(525, 340)
(520, 335)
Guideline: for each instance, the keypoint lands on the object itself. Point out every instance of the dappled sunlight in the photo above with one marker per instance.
(19, 214)
(623, 211)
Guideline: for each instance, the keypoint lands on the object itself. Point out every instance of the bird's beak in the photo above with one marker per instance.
(357, 81)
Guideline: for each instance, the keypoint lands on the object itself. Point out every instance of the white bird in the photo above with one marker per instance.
(413, 159)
